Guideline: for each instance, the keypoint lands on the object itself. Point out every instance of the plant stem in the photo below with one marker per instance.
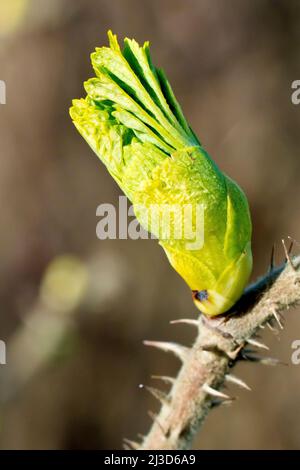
(219, 345)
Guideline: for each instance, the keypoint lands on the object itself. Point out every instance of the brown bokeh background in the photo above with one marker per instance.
(74, 328)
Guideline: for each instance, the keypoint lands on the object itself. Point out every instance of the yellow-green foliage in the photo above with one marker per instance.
(132, 121)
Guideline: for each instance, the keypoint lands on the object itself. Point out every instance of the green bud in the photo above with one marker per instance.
(132, 121)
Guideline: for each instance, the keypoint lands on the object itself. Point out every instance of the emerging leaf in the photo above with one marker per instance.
(133, 122)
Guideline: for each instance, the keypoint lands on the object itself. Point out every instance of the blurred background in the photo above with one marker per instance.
(74, 309)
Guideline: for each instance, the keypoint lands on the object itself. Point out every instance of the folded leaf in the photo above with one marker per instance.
(133, 122)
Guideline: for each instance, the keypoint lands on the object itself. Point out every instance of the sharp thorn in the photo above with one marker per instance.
(234, 354)
(131, 444)
(248, 355)
(153, 416)
(277, 318)
(287, 255)
(231, 355)
(180, 351)
(164, 378)
(272, 361)
(235, 380)
(248, 351)
(218, 402)
(262, 327)
(215, 393)
(187, 321)
(272, 328)
(293, 241)
(272, 258)
(285, 250)
(257, 344)
(267, 361)
(215, 349)
(158, 394)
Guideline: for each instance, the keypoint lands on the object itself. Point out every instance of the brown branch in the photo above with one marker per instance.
(220, 343)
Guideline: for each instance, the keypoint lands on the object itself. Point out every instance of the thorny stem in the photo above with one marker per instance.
(220, 343)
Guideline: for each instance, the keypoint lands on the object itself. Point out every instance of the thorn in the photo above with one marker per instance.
(262, 327)
(131, 445)
(126, 447)
(272, 328)
(293, 241)
(267, 361)
(180, 351)
(272, 258)
(235, 380)
(153, 416)
(291, 246)
(164, 378)
(220, 352)
(188, 321)
(287, 255)
(215, 393)
(141, 436)
(272, 361)
(218, 402)
(158, 394)
(247, 351)
(247, 355)
(257, 344)
(277, 318)
(233, 354)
